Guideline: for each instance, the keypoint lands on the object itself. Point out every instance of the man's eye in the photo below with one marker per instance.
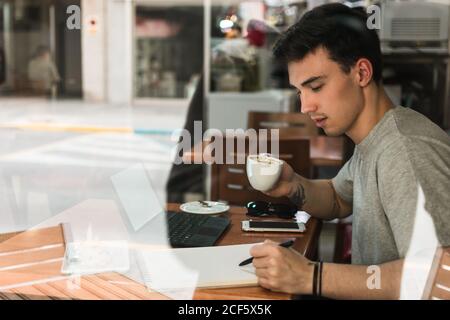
(317, 89)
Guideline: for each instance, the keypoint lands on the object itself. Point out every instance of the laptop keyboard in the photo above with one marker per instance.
(183, 226)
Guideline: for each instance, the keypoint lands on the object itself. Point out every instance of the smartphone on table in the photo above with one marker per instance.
(273, 226)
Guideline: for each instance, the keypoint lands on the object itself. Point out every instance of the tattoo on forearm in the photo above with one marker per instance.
(298, 197)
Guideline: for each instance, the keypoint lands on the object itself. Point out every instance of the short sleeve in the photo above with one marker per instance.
(343, 182)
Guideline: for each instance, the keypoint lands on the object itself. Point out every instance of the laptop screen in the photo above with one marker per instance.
(137, 196)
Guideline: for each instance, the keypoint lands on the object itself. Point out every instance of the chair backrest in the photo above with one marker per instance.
(438, 284)
(288, 123)
(229, 182)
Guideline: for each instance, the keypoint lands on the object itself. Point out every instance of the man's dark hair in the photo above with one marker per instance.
(340, 30)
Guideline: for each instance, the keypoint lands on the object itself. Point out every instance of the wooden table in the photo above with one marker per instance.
(35, 274)
(324, 151)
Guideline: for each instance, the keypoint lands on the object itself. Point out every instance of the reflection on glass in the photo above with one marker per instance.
(169, 50)
(242, 36)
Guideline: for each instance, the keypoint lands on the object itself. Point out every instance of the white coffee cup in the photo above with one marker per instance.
(263, 171)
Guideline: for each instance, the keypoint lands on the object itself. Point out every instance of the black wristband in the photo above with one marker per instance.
(320, 279)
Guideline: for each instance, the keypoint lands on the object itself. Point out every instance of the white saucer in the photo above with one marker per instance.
(199, 208)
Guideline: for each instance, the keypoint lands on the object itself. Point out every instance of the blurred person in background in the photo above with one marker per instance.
(42, 73)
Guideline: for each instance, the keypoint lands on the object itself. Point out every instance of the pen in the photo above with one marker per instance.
(286, 244)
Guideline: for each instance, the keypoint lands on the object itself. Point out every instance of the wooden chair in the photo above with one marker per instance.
(288, 123)
(438, 284)
(229, 182)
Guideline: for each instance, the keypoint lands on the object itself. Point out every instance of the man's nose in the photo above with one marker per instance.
(307, 104)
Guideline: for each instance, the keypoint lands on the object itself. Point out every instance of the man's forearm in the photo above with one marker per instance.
(316, 197)
(344, 281)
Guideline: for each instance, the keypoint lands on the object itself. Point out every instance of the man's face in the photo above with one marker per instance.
(332, 98)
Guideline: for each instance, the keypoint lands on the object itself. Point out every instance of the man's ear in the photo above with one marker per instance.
(364, 71)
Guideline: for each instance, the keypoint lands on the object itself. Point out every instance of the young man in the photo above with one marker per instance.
(334, 61)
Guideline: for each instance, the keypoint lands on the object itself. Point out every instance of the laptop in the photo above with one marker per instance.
(147, 221)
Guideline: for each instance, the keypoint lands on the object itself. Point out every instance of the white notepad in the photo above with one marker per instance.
(206, 267)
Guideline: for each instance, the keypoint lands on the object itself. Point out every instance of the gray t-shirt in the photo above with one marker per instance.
(381, 181)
